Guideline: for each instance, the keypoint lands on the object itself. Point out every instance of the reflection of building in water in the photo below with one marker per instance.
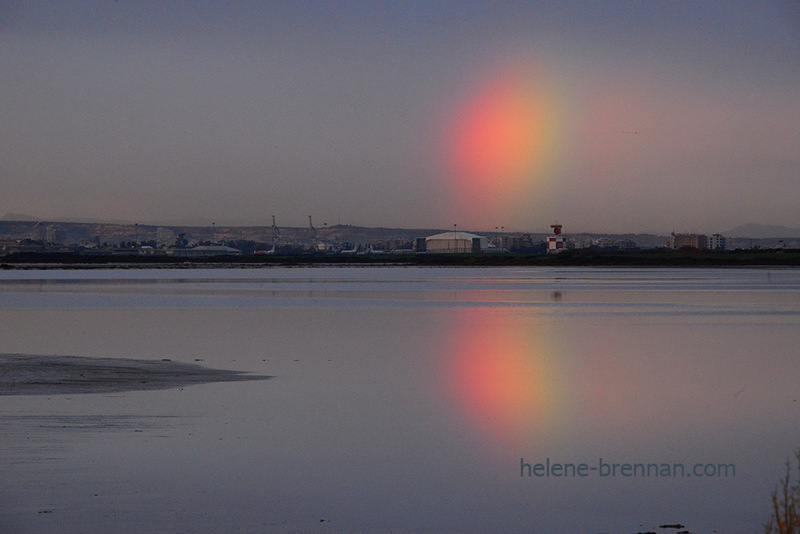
(556, 242)
(456, 242)
(698, 241)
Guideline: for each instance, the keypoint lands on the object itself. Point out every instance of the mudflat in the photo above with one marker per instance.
(27, 374)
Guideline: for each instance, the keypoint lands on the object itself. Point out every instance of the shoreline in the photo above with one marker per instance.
(569, 258)
(27, 374)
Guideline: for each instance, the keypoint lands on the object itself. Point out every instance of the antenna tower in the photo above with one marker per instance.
(312, 232)
(276, 234)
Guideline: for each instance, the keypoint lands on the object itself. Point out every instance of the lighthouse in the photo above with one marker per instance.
(555, 242)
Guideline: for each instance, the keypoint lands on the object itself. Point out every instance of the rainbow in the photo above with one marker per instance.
(501, 141)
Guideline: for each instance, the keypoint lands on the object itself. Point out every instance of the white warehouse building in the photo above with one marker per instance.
(456, 242)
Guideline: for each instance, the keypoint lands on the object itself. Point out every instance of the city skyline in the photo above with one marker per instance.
(609, 117)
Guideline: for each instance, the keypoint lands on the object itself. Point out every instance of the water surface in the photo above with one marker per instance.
(405, 399)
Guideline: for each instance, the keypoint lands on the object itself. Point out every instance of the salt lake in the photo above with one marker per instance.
(406, 399)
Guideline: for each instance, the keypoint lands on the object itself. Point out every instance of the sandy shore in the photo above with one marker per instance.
(26, 374)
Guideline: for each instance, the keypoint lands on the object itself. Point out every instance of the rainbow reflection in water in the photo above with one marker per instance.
(501, 376)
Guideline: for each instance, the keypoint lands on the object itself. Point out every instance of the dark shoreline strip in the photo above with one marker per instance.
(570, 258)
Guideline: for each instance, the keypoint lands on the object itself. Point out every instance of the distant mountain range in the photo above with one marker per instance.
(23, 217)
(762, 231)
(18, 217)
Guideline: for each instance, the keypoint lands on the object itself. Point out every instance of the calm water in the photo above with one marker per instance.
(406, 400)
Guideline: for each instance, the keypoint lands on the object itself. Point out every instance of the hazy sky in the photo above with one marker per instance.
(606, 116)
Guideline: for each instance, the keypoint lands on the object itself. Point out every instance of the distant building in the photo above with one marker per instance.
(455, 242)
(717, 242)
(514, 242)
(580, 242)
(698, 241)
(55, 234)
(165, 236)
(614, 244)
(7, 246)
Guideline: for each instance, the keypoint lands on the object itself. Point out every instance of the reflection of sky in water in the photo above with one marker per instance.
(404, 399)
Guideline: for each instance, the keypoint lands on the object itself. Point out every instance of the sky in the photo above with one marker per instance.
(603, 116)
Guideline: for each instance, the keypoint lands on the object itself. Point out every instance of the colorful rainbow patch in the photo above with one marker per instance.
(501, 142)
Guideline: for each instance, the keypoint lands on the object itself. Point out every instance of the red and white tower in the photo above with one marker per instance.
(556, 243)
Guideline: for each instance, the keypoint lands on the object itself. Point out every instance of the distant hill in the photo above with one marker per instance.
(762, 231)
(18, 217)
(24, 217)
